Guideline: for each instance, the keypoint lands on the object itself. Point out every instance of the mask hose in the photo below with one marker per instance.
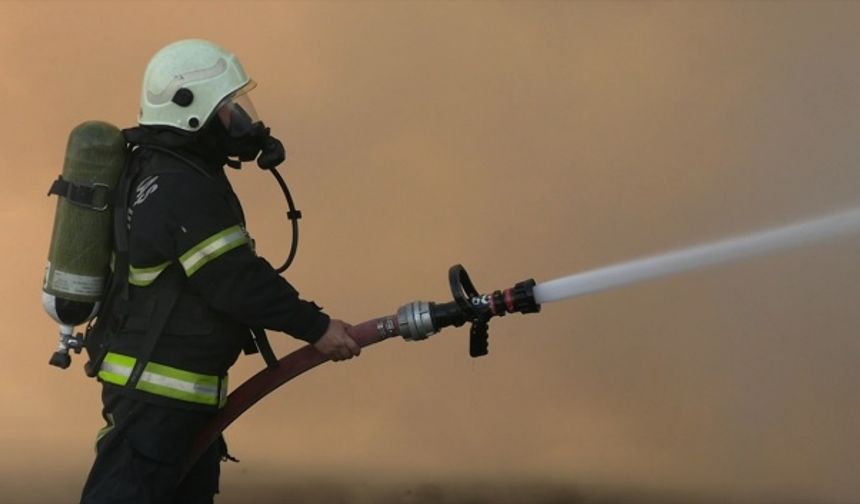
(293, 215)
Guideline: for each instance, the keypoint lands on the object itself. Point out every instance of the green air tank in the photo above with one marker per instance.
(81, 243)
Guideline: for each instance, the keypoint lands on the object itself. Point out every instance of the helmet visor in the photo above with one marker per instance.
(237, 112)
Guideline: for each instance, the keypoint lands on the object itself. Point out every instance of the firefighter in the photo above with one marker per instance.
(195, 287)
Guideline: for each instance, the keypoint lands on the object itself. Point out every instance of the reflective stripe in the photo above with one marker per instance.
(166, 381)
(142, 277)
(212, 248)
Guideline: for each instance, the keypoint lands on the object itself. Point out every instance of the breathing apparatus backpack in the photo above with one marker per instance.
(79, 258)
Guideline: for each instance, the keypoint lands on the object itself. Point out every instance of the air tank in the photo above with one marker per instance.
(82, 239)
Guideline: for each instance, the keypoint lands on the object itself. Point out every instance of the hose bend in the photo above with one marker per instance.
(269, 379)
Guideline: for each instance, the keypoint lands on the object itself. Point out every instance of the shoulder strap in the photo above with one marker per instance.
(260, 342)
(112, 312)
(164, 303)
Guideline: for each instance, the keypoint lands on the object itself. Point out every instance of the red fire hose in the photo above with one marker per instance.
(269, 379)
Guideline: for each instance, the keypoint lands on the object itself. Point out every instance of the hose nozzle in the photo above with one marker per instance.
(420, 320)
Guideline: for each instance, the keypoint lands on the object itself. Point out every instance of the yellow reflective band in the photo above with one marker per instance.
(141, 277)
(116, 368)
(166, 381)
(212, 248)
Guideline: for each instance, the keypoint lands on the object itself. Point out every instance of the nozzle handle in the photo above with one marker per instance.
(479, 339)
(473, 309)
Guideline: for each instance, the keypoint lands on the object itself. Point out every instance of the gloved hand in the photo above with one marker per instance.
(336, 343)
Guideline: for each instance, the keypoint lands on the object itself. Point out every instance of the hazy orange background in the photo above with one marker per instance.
(521, 139)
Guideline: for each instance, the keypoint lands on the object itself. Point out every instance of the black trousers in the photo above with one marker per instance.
(141, 452)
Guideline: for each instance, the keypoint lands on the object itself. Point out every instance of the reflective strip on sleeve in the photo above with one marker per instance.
(166, 381)
(142, 277)
(212, 248)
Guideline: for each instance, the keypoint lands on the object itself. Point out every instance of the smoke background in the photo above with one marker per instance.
(531, 139)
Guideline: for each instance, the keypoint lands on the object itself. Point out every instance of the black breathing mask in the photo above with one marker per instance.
(248, 139)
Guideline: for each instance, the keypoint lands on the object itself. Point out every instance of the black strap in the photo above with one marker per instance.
(265, 348)
(121, 228)
(113, 311)
(94, 196)
(163, 307)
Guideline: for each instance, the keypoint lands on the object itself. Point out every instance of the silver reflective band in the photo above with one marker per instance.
(116, 369)
(212, 248)
(180, 385)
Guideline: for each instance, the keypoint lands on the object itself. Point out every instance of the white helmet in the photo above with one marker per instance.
(186, 81)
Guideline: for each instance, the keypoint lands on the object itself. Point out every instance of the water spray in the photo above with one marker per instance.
(421, 319)
(733, 249)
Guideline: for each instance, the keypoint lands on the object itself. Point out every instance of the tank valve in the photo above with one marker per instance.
(68, 341)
